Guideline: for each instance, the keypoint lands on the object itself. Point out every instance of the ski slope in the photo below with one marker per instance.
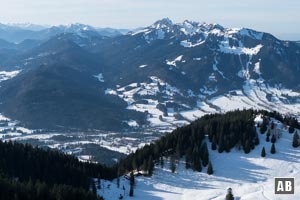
(249, 175)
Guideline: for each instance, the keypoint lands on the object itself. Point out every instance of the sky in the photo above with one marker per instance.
(281, 18)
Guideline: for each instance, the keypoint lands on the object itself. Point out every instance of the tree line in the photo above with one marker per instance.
(224, 132)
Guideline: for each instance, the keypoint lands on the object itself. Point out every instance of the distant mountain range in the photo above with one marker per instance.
(159, 77)
(17, 33)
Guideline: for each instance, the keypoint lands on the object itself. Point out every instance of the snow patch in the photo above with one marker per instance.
(5, 75)
(187, 44)
(110, 91)
(238, 50)
(257, 68)
(99, 77)
(138, 32)
(132, 123)
(143, 66)
(188, 28)
(173, 62)
(3, 118)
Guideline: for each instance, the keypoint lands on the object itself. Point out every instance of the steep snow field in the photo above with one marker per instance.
(249, 175)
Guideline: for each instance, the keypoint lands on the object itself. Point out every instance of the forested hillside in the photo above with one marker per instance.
(32, 173)
(235, 129)
(27, 172)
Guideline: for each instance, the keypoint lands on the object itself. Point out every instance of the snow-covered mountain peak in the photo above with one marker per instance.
(165, 22)
(80, 27)
(194, 32)
(81, 30)
(189, 27)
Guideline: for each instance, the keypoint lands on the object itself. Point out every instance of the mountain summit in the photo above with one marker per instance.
(159, 77)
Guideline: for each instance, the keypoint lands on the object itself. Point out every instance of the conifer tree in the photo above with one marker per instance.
(256, 141)
(296, 142)
(221, 146)
(131, 191)
(247, 147)
(179, 149)
(131, 184)
(134, 164)
(150, 166)
(204, 154)
(162, 162)
(197, 164)
(210, 169)
(145, 166)
(269, 132)
(291, 129)
(213, 145)
(172, 164)
(273, 150)
(131, 179)
(263, 152)
(268, 138)
(272, 125)
(273, 138)
(187, 161)
(229, 195)
(227, 146)
(263, 126)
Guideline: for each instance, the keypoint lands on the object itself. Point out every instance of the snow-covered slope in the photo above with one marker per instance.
(249, 175)
(171, 73)
(193, 69)
(254, 94)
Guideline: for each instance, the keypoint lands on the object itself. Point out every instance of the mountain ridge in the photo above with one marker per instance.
(169, 73)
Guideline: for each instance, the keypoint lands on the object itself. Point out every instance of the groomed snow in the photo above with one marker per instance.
(249, 175)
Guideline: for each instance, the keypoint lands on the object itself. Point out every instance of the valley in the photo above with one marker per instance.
(186, 94)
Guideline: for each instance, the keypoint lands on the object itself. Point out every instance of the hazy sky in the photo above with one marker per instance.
(276, 16)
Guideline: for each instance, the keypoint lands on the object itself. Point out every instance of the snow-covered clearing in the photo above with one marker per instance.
(249, 175)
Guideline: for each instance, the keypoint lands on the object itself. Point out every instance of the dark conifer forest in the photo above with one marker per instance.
(235, 129)
(224, 131)
(28, 172)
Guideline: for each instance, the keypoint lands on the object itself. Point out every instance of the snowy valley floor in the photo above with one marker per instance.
(249, 175)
